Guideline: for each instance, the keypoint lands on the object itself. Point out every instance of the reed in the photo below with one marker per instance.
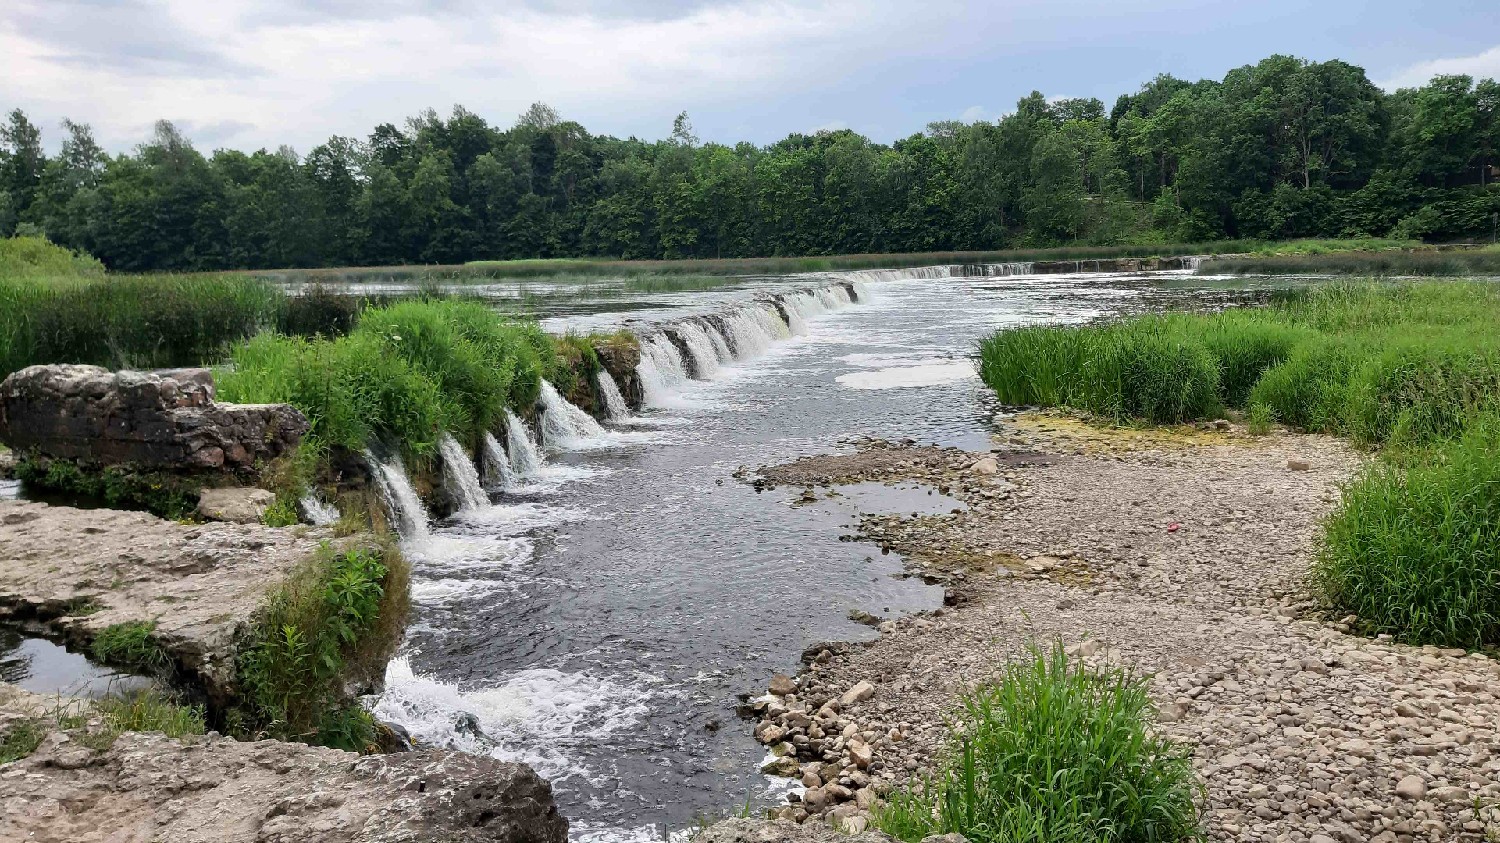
(1387, 263)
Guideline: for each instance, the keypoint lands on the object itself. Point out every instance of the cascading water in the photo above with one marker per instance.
(318, 511)
(497, 469)
(615, 408)
(564, 425)
(721, 346)
(661, 370)
(407, 512)
(699, 348)
(460, 477)
(525, 456)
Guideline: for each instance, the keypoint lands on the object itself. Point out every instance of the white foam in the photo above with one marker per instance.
(536, 716)
(910, 376)
(439, 592)
(460, 477)
(317, 510)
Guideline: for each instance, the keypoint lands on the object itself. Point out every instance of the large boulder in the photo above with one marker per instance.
(218, 790)
(165, 419)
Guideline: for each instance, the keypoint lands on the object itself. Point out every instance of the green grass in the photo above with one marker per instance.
(1414, 550)
(1413, 368)
(331, 626)
(1054, 753)
(37, 257)
(1388, 262)
(20, 740)
(130, 645)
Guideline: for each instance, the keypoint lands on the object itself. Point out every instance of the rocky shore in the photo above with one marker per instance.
(1182, 554)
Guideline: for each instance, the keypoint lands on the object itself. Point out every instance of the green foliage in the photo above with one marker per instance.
(331, 624)
(1053, 753)
(20, 740)
(37, 257)
(99, 723)
(1415, 551)
(130, 645)
(132, 322)
(282, 512)
(1260, 419)
(160, 493)
(1386, 263)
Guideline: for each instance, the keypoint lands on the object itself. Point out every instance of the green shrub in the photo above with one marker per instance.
(1414, 550)
(1245, 344)
(1054, 753)
(130, 645)
(331, 625)
(38, 257)
(1260, 419)
(160, 493)
(1162, 378)
(1415, 391)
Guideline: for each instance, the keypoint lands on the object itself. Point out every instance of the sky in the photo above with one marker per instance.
(248, 74)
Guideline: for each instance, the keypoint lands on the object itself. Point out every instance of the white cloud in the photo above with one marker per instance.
(301, 77)
(1485, 65)
(975, 114)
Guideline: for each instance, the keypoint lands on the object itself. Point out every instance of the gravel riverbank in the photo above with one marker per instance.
(1178, 553)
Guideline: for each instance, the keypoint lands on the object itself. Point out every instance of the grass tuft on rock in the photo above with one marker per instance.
(21, 739)
(130, 645)
(1055, 752)
(331, 626)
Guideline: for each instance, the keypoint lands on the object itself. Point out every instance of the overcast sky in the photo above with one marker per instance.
(253, 73)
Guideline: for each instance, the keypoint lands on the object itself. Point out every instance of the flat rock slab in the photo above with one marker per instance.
(78, 571)
(148, 787)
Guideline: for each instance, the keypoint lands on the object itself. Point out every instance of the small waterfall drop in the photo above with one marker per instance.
(615, 407)
(525, 456)
(563, 424)
(497, 469)
(721, 346)
(407, 512)
(318, 511)
(459, 475)
(661, 370)
(700, 349)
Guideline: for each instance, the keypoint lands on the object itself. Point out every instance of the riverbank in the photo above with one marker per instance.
(1182, 554)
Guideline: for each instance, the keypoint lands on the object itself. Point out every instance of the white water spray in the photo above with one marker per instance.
(699, 348)
(319, 511)
(564, 425)
(407, 512)
(497, 470)
(615, 407)
(460, 477)
(525, 456)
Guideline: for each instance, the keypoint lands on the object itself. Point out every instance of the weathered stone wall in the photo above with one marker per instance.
(166, 419)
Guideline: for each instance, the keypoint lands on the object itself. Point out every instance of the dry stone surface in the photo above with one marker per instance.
(1185, 560)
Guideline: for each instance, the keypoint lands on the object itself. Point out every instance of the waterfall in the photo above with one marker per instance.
(407, 512)
(525, 456)
(563, 425)
(721, 346)
(699, 348)
(319, 511)
(459, 475)
(615, 408)
(497, 470)
(661, 369)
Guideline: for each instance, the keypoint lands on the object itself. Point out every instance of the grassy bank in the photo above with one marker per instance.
(1412, 367)
(1053, 753)
(1395, 262)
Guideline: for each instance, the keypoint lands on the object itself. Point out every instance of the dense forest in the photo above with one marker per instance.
(1283, 148)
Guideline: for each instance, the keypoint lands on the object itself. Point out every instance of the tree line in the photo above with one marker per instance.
(1283, 148)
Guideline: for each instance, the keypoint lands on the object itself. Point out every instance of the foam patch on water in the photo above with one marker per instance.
(449, 551)
(536, 716)
(516, 518)
(900, 377)
(440, 592)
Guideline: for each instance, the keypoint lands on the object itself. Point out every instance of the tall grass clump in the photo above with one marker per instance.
(331, 626)
(38, 257)
(1386, 263)
(138, 322)
(1414, 550)
(1054, 753)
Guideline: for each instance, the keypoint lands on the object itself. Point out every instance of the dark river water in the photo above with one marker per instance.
(601, 620)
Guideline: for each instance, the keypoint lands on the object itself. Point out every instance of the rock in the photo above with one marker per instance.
(1449, 793)
(161, 420)
(1298, 465)
(786, 766)
(219, 790)
(1412, 788)
(985, 467)
(235, 504)
(738, 830)
(862, 617)
(854, 825)
(950, 837)
(861, 754)
(815, 799)
(861, 691)
(781, 685)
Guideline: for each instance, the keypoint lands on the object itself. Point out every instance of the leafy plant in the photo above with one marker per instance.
(130, 645)
(1055, 752)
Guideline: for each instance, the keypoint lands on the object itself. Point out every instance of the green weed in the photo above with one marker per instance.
(130, 645)
(1053, 753)
(20, 740)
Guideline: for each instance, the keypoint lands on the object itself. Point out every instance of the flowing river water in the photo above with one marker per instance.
(600, 615)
